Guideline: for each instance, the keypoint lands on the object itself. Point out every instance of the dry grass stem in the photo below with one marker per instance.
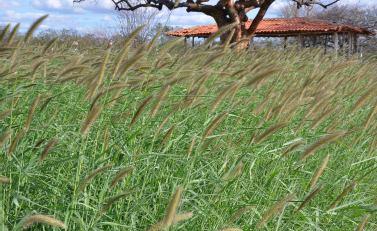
(83, 183)
(309, 151)
(171, 210)
(90, 119)
(345, 191)
(318, 173)
(310, 196)
(275, 209)
(121, 174)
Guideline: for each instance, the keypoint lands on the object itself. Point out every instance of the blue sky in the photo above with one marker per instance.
(99, 15)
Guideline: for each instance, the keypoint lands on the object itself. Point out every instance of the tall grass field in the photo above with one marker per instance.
(162, 137)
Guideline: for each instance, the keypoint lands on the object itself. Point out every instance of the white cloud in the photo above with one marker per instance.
(180, 17)
(67, 6)
(9, 4)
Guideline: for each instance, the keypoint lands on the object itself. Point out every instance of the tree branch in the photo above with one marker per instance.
(301, 3)
(261, 13)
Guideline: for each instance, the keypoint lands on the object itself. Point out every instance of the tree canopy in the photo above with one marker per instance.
(224, 12)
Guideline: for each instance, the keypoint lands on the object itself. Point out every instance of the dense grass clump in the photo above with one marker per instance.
(160, 137)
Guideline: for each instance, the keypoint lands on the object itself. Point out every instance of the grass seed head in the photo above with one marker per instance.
(171, 210)
(275, 209)
(121, 174)
(30, 220)
(318, 173)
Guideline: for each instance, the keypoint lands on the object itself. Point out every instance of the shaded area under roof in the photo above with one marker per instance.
(279, 27)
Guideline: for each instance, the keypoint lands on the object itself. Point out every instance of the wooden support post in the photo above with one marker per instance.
(354, 41)
(185, 41)
(285, 43)
(193, 41)
(350, 49)
(344, 40)
(301, 40)
(314, 40)
(325, 44)
(336, 43)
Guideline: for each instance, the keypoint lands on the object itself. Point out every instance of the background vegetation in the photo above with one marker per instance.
(159, 136)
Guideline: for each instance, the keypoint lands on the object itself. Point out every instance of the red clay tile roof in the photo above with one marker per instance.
(278, 27)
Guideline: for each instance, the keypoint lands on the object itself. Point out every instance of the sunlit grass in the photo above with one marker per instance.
(217, 124)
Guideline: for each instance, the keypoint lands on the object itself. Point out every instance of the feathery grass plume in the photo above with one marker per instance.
(47, 149)
(218, 33)
(345, 191)
(159, 226)
(212, 58)
(33, 27)
(318, 173)
(317, 104)
(13, 34)
(192, 145)
(164, 121)
(262, 75)
(275, 209)
(121, 174)
(30, 220)
(106, 138)
(364, 98)
(161, 96)
(370, 116)
(35, 68)
(5, 137)
(90, 119)
(168, 135)
(220, 97)
(4, 180)
(14, 56)
(229, 39)
(213, 125)
(101, 74)
(317, 121)
(112, 200)
(130, 62)
(231, 229)
(181, 217)
(15, 141)
(39, 143)
(162, 52)
(31, 112)
(5, 113)
(140, 109)
(119, 59)
(237, 214)
(363, 223)
(84, 182)
(309, 151)
(269, 131)
(70, 70)
(233, 172)
(171, 210)
(293, 146)
(261, 106)
(153, 41)
(4, 32)
(48, 46)
(310, 196)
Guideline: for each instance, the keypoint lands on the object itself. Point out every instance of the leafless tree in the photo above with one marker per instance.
(224, 12)
(128, 21)
(290, 10)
